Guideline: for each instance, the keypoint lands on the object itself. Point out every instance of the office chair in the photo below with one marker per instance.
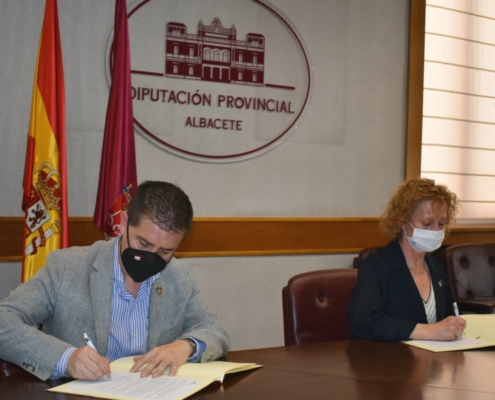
(471, 269)
(356, 261)
(315, 305)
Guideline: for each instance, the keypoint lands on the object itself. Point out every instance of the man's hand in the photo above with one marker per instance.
(86, 363)
(174, 355)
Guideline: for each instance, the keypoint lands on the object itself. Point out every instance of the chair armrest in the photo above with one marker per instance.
(476, 306)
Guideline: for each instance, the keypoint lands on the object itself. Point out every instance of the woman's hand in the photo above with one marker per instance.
(450, 328)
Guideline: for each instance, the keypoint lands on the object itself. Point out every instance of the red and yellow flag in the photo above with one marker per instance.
(44, 200)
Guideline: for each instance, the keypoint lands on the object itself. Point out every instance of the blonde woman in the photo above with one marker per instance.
(402, 292)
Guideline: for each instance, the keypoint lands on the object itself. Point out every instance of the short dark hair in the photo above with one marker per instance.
(165, 204)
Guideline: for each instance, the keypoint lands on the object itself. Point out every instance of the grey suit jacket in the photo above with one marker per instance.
(72, 294)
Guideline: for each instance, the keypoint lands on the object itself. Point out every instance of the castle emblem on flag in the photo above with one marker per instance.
(114, 216)
(46, 196)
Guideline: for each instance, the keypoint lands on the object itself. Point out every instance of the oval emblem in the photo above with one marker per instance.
(215, 80)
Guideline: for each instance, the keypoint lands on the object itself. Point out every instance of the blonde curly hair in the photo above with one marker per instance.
(407, 197)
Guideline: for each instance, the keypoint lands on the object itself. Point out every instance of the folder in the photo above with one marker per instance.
(479, 333)
(190, 378)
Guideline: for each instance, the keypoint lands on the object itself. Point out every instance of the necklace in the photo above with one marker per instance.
(416, 272)
(413, 271)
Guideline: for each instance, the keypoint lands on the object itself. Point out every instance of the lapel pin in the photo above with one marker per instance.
(159, 290)
(440, 283)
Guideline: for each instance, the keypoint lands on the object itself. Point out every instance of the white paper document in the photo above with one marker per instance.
(459, 344)
(191, 377)
(132, 386)
(479, 332)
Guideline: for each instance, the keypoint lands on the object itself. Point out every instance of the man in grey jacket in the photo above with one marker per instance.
(129, 295)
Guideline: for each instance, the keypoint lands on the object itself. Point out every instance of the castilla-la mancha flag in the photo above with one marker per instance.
(118, 177)
(44, 199)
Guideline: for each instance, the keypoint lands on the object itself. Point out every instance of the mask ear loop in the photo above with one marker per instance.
(404, 229)
(127, 235)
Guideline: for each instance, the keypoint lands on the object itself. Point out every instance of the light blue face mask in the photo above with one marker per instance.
(425, 240)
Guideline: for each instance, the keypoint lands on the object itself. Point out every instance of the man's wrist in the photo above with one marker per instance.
(199, 348)
(60, 369)
(193, 345)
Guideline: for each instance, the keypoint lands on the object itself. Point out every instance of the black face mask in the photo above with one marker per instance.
(141, 264)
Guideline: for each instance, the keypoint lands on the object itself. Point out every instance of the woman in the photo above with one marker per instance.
(402, 292)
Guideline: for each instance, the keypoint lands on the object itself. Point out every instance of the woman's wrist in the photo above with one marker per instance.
(421, 332)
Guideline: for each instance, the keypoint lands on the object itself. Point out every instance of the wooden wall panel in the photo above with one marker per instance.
(11, 238)
(417, 15)
(217, 237)
(261, 236)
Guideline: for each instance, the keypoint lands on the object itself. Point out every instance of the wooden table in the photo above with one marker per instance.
(356, 369)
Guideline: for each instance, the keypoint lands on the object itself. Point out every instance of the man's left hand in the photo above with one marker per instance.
(158, 359)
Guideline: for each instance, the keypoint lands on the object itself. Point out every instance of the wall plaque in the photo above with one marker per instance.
(215, 80)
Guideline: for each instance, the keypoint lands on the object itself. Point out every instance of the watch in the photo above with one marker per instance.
(194, 346)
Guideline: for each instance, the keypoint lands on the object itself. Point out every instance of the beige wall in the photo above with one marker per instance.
(343, 160)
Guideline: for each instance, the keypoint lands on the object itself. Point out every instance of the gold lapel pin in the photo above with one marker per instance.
(159, 290)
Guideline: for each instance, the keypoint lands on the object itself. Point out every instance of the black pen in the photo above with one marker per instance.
(89, 343)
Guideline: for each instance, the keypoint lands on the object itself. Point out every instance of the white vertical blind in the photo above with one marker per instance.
(459, 103)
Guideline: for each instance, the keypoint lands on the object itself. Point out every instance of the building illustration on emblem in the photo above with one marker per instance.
(214, 54)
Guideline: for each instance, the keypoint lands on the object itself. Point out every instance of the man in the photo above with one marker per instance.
(129, 295)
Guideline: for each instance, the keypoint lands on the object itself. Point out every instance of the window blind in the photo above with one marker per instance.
(458, 147)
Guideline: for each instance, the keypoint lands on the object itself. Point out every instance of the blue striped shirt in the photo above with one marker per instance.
(130, 316)
(129, 323)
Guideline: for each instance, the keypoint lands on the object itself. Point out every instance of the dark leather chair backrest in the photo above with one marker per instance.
(315, 305)
(471, 270)
(362, 255)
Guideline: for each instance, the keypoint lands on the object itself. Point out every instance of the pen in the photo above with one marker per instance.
(456, 310)
(89, 343)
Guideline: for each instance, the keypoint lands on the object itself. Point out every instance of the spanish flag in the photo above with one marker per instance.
(45, 173)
